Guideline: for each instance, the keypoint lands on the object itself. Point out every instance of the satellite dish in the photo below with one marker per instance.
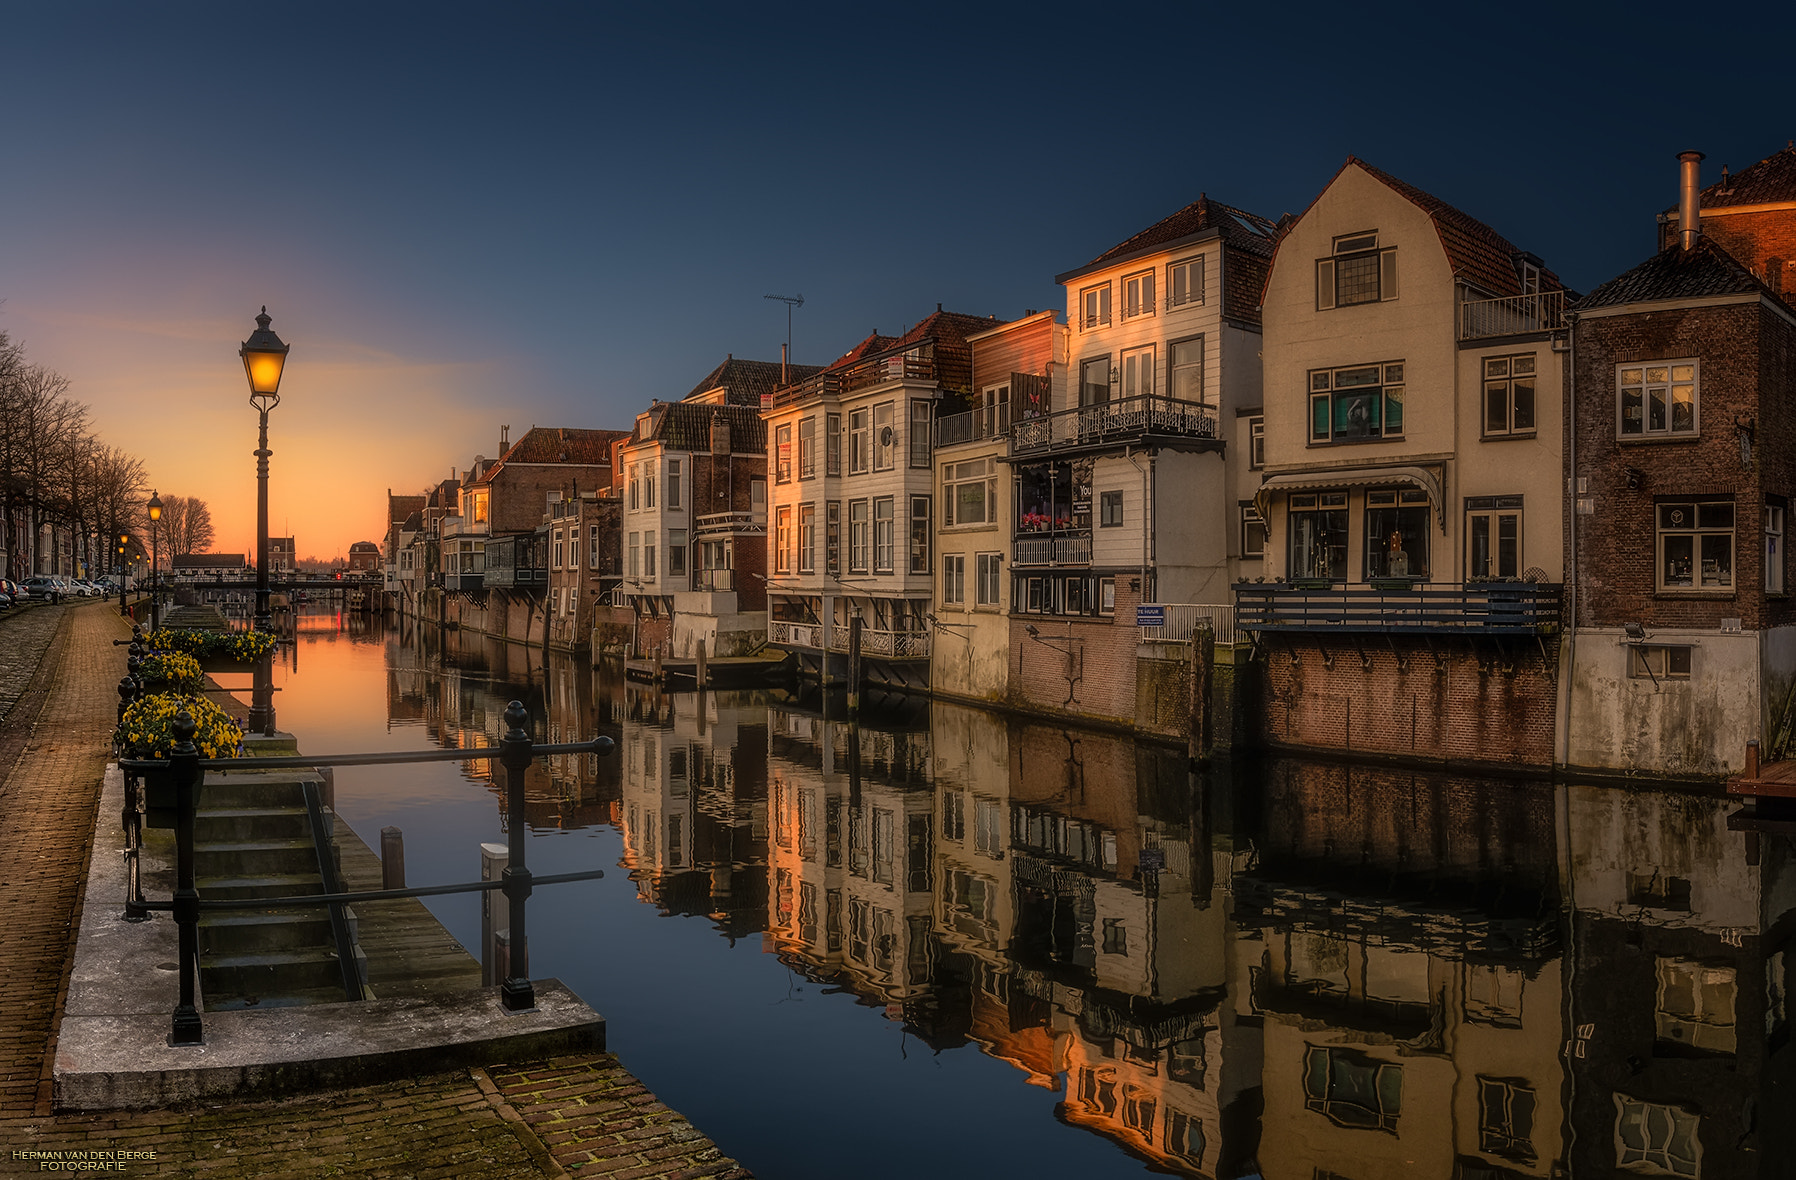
(885, 436)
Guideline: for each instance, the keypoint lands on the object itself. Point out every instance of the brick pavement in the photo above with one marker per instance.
(568, 1116)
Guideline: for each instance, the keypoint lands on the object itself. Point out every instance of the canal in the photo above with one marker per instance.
(953, 943)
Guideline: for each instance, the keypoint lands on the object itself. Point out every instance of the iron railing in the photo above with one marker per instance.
(186, 769)
(894, 645)
(1053, 550)
(1476, 608)
(1115, 421)
(714, 579)
(973, 425)
(1512, 315)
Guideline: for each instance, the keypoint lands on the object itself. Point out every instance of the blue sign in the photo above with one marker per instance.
(1150, 616)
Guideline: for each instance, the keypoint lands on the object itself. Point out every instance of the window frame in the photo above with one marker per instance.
(782, 539)
(807, 447)
(1506, 382)
(1174, 370)
(1660, 661)
(954, 579)
(1698, 533)
(1356, 248)
(1671, 383)
(1253, 532)
(920, 543)
(1325, 385)
(988, 580)
(993, 415)
(1138, 367)
(1193, 267)
(1493, 510)
(807, 538)
(832, 444)
(885, 555)
(860, 548)
(969, 473)
(1256, 442)
(676, 553)
(675, 473)
(1094, 306)
(782, 453)
(922, 432)
(1138, 293)
(860, 440)
(885, 454)
(1085, 363)
(1776, 521)
(1107, 501)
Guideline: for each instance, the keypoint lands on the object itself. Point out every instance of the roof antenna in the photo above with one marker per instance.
(790, 301)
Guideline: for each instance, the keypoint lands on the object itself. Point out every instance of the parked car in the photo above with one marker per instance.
(43, 587)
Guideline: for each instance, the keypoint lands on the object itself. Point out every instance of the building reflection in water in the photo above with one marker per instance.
(1288, 969)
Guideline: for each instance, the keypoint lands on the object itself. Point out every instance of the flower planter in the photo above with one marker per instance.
(225, 664)
(156, 788)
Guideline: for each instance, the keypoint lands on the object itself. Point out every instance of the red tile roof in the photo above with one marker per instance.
(558, 444)
(1770, 181)
(1677, 273)
(747, 380)
(1249, 231)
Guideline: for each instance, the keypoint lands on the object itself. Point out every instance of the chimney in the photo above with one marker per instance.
(1689, 182)
(504, 439)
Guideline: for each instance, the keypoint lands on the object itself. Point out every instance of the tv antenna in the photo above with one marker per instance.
(791, 301)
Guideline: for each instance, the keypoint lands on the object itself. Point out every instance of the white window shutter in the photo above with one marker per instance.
(1325, 284)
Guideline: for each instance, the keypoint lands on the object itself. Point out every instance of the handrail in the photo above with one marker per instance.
(515, 751)
(1111, 421)
(1512, 315)
(1488, 608)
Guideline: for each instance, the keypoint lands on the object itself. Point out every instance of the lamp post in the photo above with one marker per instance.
(155, 606)
(124, 539)
(264, 355)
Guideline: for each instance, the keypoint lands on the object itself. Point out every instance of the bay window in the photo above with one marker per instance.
(920, 531)
(885, 436)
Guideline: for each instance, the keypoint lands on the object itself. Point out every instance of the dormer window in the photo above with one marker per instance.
(1530, 276)
(1358, 271)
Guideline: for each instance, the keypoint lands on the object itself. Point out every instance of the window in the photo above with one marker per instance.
(1116, 937)
(860, 442)
(882, 535)
(1508, 395)
(1106, 596)
(1094, 380)
(1506, 1118)
(954, 579)
(885, 436)
(648, 485)
(832, 444)
(1319, 536)
(1353, 404)
(807, 448)
(592, 547)
(1656, 1139)
(782, 540)
(993, 415)
(1659, 661)
(1352, 1089)
(1774, 548)
(857, 536)
(1185, 380)
(673, 483)
(555, 545)
(1138, 372)
(1358, 272)
(1397, 534)
(648, 555)
(1256, 443)
(919, 534)
(1110, 512)
(1493, 531)
(676, 553)
(757, 499)
(1253, 532)
(1695, 1005)
(1094, 306)
(987, 567)
(922, 418)
(635, 567)
(970, 493)
(1185, 1136)
(832, 537)
(1657, 400)
(1696, 545)
(782, 453)
(632, 484)
(1138, 294)
(1185, 281)
(807, 538)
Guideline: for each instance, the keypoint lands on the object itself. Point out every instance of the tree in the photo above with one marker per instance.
(187, 524)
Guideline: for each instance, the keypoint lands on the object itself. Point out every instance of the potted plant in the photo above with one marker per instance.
(170, 672)
(148, 731)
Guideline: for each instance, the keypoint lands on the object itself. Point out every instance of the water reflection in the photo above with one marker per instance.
(1288, 969)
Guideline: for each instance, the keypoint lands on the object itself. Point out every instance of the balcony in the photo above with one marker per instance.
(464, 581)
(1514, 315)
(924, 363)
(972, 426)
(718, 523)
(1053, 549)
(714, 580)
(1112, 423)
(889, 645)
(1474, 609)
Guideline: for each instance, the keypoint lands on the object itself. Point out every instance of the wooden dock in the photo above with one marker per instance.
(720, 672)
(409, 952)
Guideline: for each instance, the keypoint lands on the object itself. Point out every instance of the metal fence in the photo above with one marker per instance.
(1184, 618)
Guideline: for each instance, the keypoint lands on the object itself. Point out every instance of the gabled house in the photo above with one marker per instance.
(1683, 465)
(851, 503)
(1411, 480)
(396, 541)
(1126, 464)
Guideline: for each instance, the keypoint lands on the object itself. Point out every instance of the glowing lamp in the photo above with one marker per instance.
(263, 355)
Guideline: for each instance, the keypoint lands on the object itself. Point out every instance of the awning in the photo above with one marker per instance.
(1424, 478)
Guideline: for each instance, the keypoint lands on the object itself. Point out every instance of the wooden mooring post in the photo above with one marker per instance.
(392, 858)
(854, 666)
(1203, 658)
(700, 675)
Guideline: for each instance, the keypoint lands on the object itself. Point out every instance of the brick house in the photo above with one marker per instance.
(1125, 485)
(584, 565)
(399, 562)
(1409, 481)
(1684, 462)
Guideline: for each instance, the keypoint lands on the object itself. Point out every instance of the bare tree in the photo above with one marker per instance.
(187, 524)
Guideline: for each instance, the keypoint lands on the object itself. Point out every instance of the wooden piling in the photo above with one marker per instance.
(1203, 658)
(392, 858)
(701, 674)
(854, 666)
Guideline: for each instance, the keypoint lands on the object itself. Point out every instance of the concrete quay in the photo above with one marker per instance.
(547, 1107)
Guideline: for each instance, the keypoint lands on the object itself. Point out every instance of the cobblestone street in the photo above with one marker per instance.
(578, 1116)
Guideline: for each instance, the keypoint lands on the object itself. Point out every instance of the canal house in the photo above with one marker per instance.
(1684, 466)
(1014, 364)
(584, 565)
(1122, 469)
(1411, 486)
(852, 499)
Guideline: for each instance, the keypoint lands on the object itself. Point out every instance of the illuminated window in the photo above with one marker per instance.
(1657, 399)
(1138, 294)
(1185, 281)
(1094, 306)
(1508, 395)
(1696, 545)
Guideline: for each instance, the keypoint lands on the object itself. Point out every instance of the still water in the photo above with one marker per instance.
(949, 943)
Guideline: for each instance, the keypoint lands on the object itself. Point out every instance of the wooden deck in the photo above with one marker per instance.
(409, 952)
(722, 672)
(1773, 780)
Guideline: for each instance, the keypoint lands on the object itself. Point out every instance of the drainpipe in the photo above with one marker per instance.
(1571, 567)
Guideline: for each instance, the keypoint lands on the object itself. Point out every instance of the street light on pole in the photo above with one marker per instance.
(124, 539)
(264, 356)
(155, 515)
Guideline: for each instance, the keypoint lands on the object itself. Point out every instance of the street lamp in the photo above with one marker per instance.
(155, 515)
(124, 539)
(264, 355)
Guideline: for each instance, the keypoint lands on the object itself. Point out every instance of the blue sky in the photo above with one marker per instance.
(468, 215)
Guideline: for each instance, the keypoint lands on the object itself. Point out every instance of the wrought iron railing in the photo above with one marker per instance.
(1053, 550)
(1118, 420)
(972, 426)
(896, 645)
(1476, 608)
(1511, 315)
(185, 771)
